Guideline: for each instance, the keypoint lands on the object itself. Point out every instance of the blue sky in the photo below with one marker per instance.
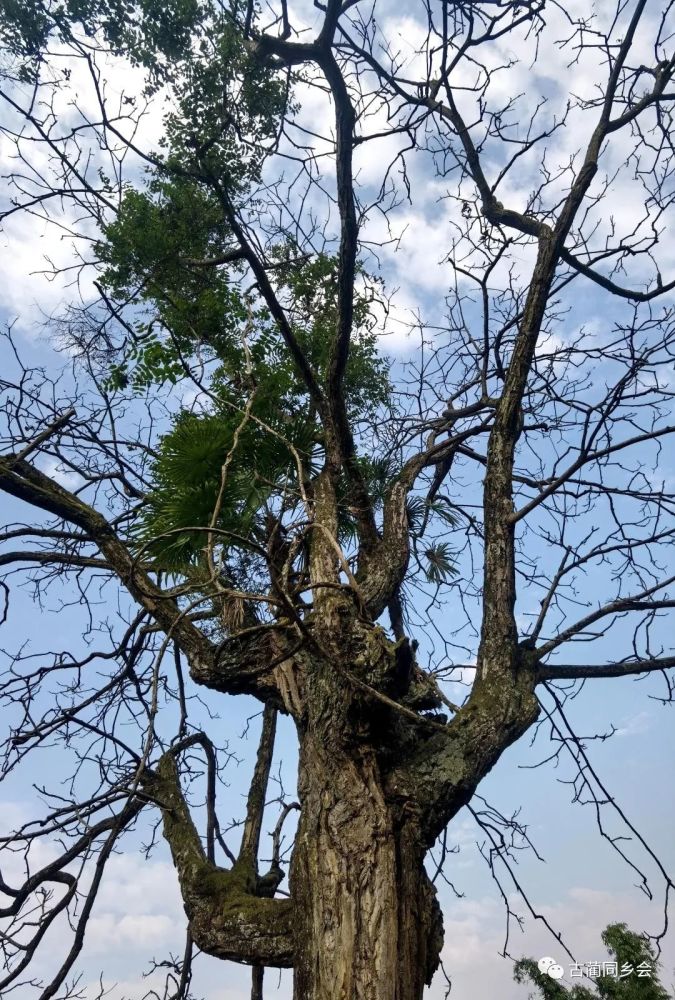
(581, 885)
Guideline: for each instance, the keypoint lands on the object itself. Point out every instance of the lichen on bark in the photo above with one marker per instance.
(227, 918)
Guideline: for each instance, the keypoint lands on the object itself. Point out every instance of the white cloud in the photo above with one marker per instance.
(635, 725)
(474, 938)
(143, 932)
(60, 473)
(134, 886)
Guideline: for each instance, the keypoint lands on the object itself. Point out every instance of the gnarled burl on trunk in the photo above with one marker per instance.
(377, 783)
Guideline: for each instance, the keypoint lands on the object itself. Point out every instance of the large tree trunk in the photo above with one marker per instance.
(376, 788)
(368, 926)
(377, 784)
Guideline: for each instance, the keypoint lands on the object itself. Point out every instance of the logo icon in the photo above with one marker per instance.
(549, 967)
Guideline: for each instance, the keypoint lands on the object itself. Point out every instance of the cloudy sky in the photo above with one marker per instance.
(580, 884)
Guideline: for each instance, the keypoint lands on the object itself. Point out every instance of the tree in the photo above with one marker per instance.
(275, 541)
(629, 951)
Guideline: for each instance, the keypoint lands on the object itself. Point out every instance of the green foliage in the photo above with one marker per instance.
(628, 949)
(419, 509)
(187, 481)
(183, 310)
(178, 307)
(152, 33)
(154, 231)
(440, 564)
(311, 288)
(158, 264)
(228, 107)
(262, 469)
(153, 253)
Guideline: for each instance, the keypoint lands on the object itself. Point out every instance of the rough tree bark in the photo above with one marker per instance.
(376, 786)
(368, 924)
(381, 769)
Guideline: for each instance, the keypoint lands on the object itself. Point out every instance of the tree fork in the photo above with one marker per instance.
(227, 918)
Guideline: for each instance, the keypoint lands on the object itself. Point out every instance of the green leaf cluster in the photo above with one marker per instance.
(154, 254)
(439, 561)
(440, 564)
(177, 307)
(187, 482)
(626, 947)
(152, 33)
(156, 264)
(262, 469)
(228, 107)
